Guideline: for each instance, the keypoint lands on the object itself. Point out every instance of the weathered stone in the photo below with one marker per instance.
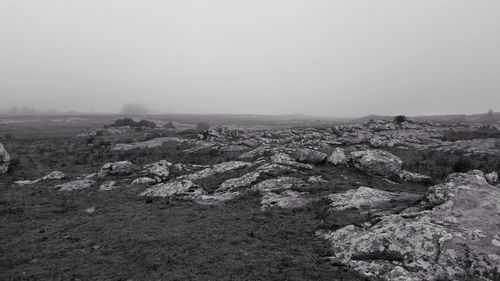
(215, 198)
(377, 162)
(491, 177)
(338, 157)
(216, 169)
(109, 185)
(281, 183)
(176, 187)
(159, 170)
(366, 198)
(243, 181)
(56, 175)
(287, 199)
(76, 185)
(452, 241)
(309, 155)
(285, 159)
(143, 181)
(117, 168)
(4, 160)
(414, 177)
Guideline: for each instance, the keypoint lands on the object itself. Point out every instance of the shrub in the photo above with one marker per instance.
(169, 125)
(399, 119)
(130, 122)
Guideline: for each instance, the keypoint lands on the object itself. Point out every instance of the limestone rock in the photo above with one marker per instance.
(159, 170)
(117, 168)
(491, 177)
(309, 155)
(216, 169)
(243, 181)
(281, 183)
(109, 185)
(76, 185)
(143, 180)
(377, 162)
(414, 177)
(338, 157)
(56, 175)
(454, 240)
(4, 160)
(287, 199)
(176, 187)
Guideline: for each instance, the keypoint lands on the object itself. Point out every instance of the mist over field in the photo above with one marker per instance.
(326, 58)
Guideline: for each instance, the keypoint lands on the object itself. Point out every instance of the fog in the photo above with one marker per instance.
(328, 58)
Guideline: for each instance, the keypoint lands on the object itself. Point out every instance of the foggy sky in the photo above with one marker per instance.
(330, 58)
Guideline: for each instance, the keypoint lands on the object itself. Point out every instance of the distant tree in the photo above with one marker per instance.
(134, 109)
(132, 123)
(400, 119)
(169, 125)
(202, 126)
(146, 123)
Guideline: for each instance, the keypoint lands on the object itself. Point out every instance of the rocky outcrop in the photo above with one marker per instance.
(309, 155)
(116, 168)
(216, 169)
(143, 181)
(76, 185)
(55, 175)
(377, 161)
(369, 199)
(109, 185)
(287, 199)
(414, 177)
(278, 184)
(176, 187)
(285, 159)
(456, 239)
(492, 177)
(243, 181)
(158, 170)
(338, 157)
(4, 160)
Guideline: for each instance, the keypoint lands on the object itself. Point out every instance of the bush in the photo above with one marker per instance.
(130, 122)
(169, 125)
(399, 119)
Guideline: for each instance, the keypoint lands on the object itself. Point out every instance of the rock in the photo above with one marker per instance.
(143, 181)
(4, 160)
(454, 240)
(117, 168)
(109, 185)
(176, 187)
(76, 185)
(491, 177)
(338, 157)
(26, 182)
(159, 170)
(287, 199)
(414, 177)
(146, 144)
(285, 159)
(281, 183)
(243, 181)
(56, 175)
(377, 162)
(366, 198)
(216, 169)
(215, 198)
(316, 179)
(90, 210)
(309, 156)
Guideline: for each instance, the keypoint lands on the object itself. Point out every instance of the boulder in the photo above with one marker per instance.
(309, 155)
(215, 198)
(338, 157)
(281, 183)
(377, 161)
(4, 160)
(143, 181)
(285, 159)
(168, 189)
(369, 199)
(109, 185)
(455, 239)
(414, 177)
(158, 170)
(216, 169)
(117, 168)
(287, 199)
(76, 185)
(243, 181)
(491, 177)
(55, 175)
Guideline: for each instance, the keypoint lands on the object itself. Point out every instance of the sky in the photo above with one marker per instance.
(339, 58)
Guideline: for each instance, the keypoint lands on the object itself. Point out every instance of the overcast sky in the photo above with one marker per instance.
(330, 58)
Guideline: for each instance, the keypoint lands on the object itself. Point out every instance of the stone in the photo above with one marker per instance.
(109, 185)
(76, 185)
(56, 175)
(414, 177)
(309, 155)
(366, 198)
(168, 189)
(215, 198)
(338, 157)
(491, 177)
(117, 168)
(450, 240)
(285, 159)
(216, 169)
(4, 160)
(143, 181)
(377, 161)
(158, 170)
(277, 184)
(287, 199)
(243, 181)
